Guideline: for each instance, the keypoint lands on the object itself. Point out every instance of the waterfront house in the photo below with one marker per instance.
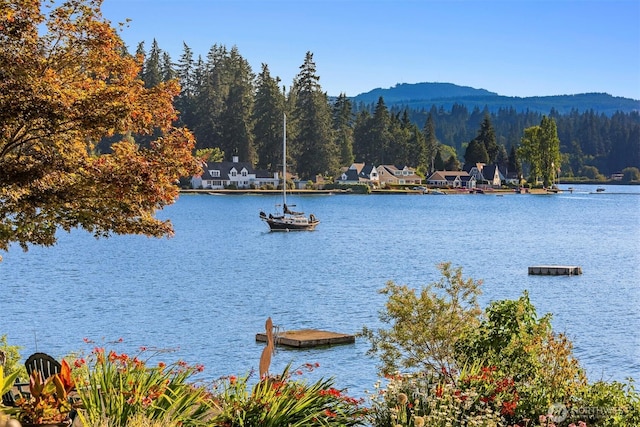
(453, 179)
(487, 175)
(359, 173)
(221, 175)
(395, 175)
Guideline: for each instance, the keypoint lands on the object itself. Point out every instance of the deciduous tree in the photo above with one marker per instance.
(65, 83)
(540, 147)
(425, 326)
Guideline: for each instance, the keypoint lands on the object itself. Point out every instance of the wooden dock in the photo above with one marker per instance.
(555, 270)
(305, 338)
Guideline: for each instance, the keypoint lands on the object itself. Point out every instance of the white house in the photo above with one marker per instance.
(359, 173)
(220, 175)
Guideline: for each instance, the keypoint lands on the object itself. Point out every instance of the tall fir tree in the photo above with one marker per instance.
(235, 121)
(514, 165)
(152, 73)
(431, 143)
(185, 103)
(475, 153)
(314, 143)
(343, 128)
(363, 149)
(487, 136)
(268, 112)
(381, 137)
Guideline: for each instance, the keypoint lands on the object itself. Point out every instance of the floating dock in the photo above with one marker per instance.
(555, 270)
(305, 338)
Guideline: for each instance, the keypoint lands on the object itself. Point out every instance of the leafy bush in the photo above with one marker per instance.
(606, 404)
(425, 327)
(519, 345)
(11, 356)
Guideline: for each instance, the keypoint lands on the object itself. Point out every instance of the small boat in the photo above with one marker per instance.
(554, 190)
(599, 189)
(288, 220)
(437, 192)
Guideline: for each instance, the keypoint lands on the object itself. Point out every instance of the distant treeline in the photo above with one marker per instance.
(229, 107)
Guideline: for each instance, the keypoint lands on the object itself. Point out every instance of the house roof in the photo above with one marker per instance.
(447, 175)
(225, 168)
(358, 172)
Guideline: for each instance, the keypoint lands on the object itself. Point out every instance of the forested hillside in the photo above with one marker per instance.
(418, 96)
(230, 107)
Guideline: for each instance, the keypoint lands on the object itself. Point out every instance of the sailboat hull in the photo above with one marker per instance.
(290, 223)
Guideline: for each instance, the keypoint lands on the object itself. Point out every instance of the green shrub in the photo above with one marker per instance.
(11, 356)
(606, 404)
(519, 345)
(424, 327)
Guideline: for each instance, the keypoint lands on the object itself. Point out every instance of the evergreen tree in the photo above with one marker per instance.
(452, 164)
(502, 158)
(185, 103)
(363, 149)
(152, 74)
(314, 143)
(475, 153)
(431, 142)
(235, 122)
(487, 136)
(514, 164)
(167, 70)
(438, 162)
(381, 137)
(343, 127)
(268, 112)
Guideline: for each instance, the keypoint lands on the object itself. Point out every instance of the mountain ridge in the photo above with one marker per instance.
(426, 94)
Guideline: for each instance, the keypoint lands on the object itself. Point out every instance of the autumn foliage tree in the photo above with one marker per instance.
(66, 82)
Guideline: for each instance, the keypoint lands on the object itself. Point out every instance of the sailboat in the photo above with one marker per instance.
(288, 220)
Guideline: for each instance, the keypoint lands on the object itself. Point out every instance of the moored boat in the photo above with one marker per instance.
(288, 220)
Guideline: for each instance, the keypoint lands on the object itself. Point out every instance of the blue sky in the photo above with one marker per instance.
(512, 47)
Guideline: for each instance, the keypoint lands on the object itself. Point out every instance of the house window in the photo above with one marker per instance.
(215, 173)
(234, 173)
(244, 172)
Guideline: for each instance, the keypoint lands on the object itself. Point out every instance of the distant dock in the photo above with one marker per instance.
(555, 270)
(305, 338)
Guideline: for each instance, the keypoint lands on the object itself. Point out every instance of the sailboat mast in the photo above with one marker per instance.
(284, 160)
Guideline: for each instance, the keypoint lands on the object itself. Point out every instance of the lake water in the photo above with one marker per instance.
(208, 290)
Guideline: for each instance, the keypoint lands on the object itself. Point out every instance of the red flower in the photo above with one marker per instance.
(329, 413)
(508, 408)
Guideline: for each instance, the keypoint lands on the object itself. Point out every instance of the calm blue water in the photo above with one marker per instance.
(208, 290)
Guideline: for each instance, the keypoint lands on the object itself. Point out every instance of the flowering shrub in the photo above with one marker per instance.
(282, 401)
(415, 400)
(119, 387)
